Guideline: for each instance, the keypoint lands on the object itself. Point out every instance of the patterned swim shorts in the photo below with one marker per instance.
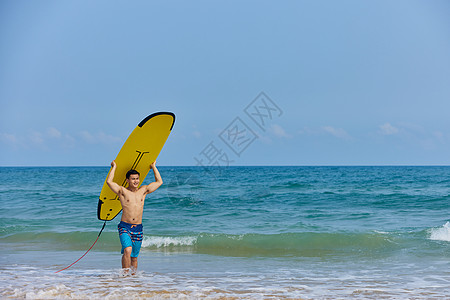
(131, 236)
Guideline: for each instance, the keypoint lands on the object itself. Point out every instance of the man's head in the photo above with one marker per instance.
(133, 178)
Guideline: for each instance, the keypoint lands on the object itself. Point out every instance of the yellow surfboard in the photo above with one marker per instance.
(139, 151)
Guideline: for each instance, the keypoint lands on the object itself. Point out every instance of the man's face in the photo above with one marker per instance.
(133, 181)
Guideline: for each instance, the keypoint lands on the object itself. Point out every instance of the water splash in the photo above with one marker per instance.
(441, 233)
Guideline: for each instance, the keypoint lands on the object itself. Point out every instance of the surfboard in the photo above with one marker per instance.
(139, 150)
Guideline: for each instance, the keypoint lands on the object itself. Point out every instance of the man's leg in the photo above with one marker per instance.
(134, 265)
(126, 259)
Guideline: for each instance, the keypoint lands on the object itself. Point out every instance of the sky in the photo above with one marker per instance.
(251, 82)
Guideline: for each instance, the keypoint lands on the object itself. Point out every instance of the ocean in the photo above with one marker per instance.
(236, 232)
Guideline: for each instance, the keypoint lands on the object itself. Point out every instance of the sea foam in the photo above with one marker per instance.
(167, 241)
(441, 233)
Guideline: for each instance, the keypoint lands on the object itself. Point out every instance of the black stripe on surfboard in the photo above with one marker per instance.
(157, 114)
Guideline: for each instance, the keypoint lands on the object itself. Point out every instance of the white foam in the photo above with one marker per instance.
(58, 291)
(167, 241)
(441, 233)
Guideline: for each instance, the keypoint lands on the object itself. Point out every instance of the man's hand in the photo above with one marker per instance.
(113, 164)
(153, 164)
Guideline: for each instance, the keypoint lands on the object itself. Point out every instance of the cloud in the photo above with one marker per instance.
(99, 138)
(307, 131)
(53, 138)
(388, 129)
(337, 132)
(87, 136)
(37, 138)
(197, 134)
(279, 131)
(53, 133)
(48, 139)
(8, 139)
(108, 138)
(414, 135)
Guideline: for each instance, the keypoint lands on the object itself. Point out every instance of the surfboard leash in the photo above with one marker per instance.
(103, 227)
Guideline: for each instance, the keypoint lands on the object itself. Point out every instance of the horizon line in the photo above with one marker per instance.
(318, 165)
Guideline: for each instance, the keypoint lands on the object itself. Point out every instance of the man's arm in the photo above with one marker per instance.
(158, 180)
(109, 181)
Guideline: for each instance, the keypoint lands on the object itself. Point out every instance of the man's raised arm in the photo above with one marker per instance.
(109, 181)
(158, 180)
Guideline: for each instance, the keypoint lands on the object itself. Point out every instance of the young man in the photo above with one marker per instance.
(132, 199)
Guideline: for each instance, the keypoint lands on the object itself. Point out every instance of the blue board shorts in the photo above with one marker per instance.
(130, 236)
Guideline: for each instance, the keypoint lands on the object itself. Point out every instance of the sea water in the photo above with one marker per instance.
(237, 232)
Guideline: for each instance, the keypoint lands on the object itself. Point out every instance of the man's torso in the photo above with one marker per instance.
(132, 205)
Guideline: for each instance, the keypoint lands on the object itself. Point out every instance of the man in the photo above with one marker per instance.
(132, 199)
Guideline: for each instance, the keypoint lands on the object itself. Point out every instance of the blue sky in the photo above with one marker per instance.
(356, 82)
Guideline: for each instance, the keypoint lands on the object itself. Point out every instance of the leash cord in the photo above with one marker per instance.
(86, 251)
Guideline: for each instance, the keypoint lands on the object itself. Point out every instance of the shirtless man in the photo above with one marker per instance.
(132, 199)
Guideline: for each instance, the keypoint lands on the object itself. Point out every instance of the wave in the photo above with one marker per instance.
(284, 244)
(292, 185)
(441, 233)
(168, 241)
(300, 244)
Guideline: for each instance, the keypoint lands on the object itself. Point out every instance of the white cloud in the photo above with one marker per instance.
(99, 137)
(197, 134)
(9, 138)
(107, 138)
(279, 131)
(52, 138)
(87, 136)
(308, 131)
(37, 138)
(388, 129)
(337, 132)
(53, 133)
